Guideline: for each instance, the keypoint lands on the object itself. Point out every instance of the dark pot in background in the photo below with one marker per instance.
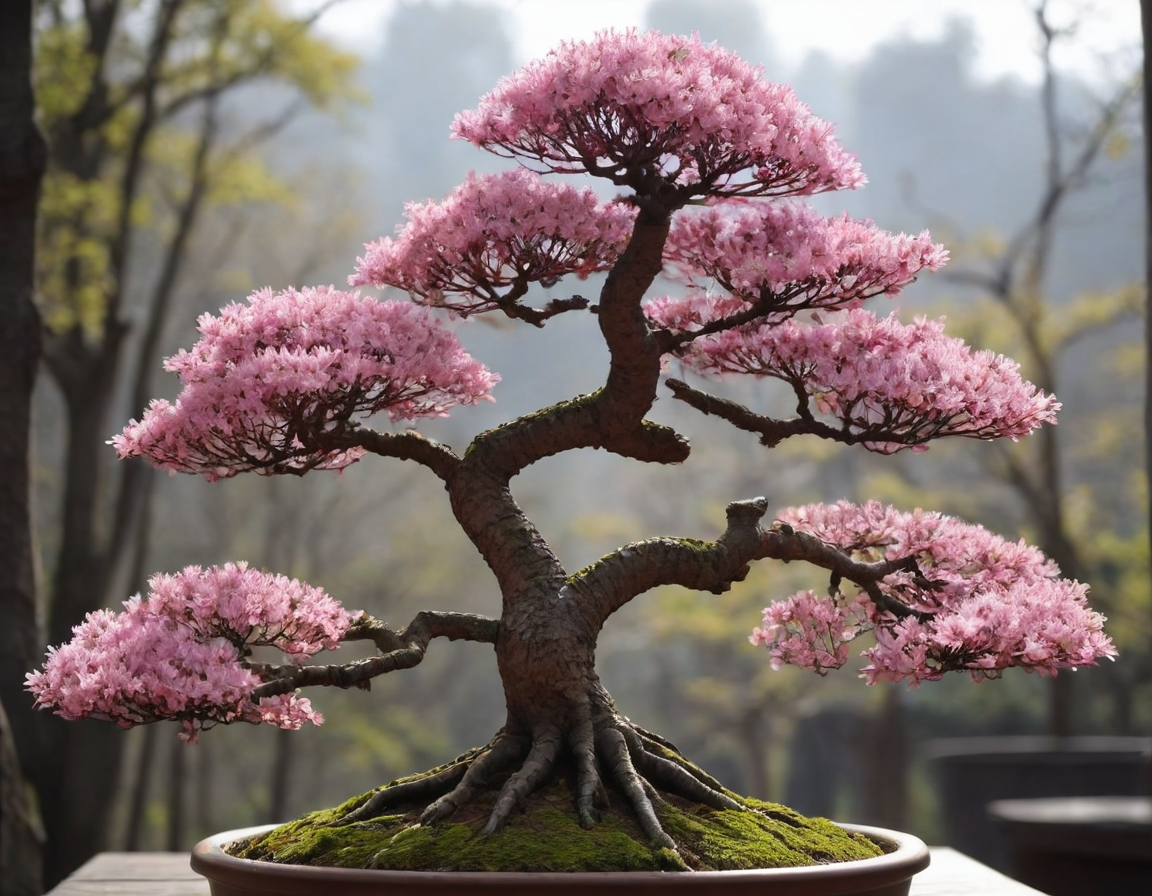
(1068, 846)
(973, 772)
(887, 875)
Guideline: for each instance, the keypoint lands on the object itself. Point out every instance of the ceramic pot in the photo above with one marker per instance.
(887, 875)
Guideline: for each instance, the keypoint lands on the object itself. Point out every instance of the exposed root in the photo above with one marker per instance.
(590, 795)
(657, 745)
(607, 749)
(425, 787)
(614, 749)
(546, 745)
(674, 778)
(501, 756)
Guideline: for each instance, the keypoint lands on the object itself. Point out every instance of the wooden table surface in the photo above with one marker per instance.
(168, 874)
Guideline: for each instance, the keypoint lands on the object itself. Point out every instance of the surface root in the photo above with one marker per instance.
(638, 764)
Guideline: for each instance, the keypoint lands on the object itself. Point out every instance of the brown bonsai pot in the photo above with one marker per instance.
(887, 875)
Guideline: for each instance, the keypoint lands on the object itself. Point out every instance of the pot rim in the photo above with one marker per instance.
(906, 855)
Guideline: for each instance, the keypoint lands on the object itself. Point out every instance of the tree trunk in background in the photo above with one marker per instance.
(1146, 28)
(177, 773)
(884, 784)
(19, 831)
(140, 788)
(22, 161)
(280, 785)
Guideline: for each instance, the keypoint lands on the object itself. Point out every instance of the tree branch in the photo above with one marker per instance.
(613, 416)
(129, 493)
(714, 566)
(410, 445)
(915, 431)
(398, 650)
(772, 432)
(134, 158)
(258, 68)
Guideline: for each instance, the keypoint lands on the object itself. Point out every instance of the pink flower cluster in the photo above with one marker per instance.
(632, 105)
(979, 603)
(250, 608)
(272, 383)
(890, 385)
(178, 654)
(783, 257)
(496, 232)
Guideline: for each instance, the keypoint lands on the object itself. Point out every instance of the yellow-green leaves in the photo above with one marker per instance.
(76, 219)
(160, 135)
(63, 71)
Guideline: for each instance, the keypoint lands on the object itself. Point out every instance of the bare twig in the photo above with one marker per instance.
(399, 650)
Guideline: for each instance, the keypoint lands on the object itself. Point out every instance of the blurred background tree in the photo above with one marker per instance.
(135, 101)
(22, 159)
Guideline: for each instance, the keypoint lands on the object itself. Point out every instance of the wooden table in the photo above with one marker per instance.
(167, 874)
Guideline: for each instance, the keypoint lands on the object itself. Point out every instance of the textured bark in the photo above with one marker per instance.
(22, 160)
(20, 835)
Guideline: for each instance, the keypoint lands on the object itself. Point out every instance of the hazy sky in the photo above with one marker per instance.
(846, 29)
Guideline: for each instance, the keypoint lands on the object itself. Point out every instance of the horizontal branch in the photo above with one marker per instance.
(896, 426)
(537, 316)
(577, 423)
(714, 566)
(410, 445)
(398, 650)
(772, 432)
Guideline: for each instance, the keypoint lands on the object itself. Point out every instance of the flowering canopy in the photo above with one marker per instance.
(272, 384)
(889, 385)
(177, 654)
(643, 107)
(974, 601)
(492, 236)
(779, 258)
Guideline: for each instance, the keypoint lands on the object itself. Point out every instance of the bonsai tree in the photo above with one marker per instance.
(705, 156)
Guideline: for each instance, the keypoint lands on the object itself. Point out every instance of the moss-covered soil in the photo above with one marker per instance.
(547, 837)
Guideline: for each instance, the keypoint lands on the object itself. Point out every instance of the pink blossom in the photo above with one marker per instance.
(809, 631)
(887, 384)
(179, 653)
(494, 235)
(978, 602)
(778, 258)
(272, 384)
(642, 108)
(250, 608)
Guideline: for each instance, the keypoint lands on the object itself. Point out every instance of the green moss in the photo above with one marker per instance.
(544, 415)
(547, 837)
(773, 836)
(692, 544)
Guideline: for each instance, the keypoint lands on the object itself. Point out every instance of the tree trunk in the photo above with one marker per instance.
(22, 161)
(884, 788)
(77, 770)
(280, 779)
(1146, 27)
(177, 788)
(141, 786)
(20, 835)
